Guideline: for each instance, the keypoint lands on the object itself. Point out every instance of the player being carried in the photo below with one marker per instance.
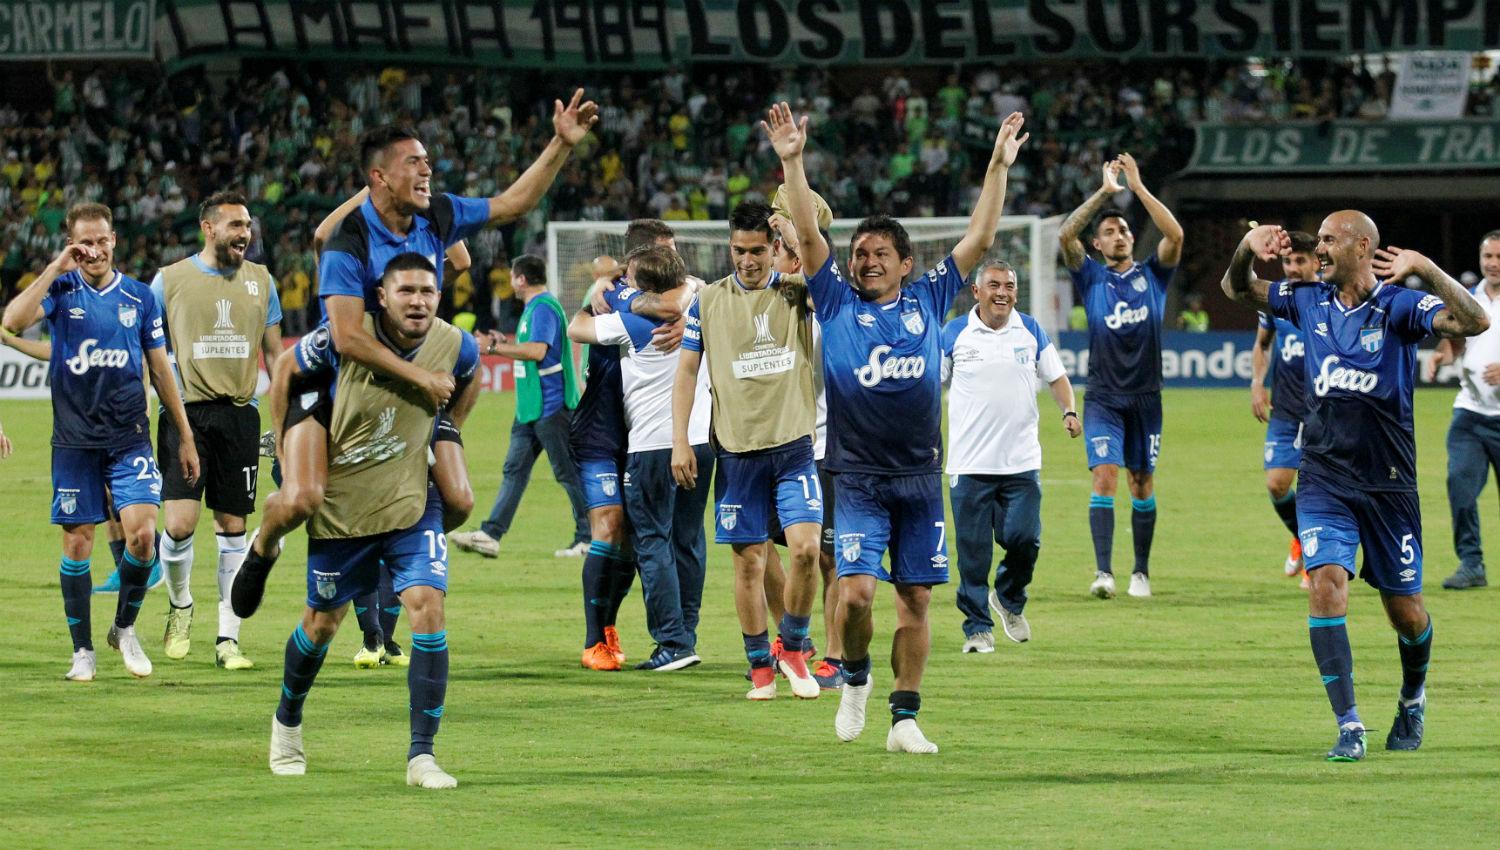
(881, 361)
(1358, 475)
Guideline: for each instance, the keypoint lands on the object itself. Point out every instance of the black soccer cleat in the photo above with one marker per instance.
(249, 585)
(1406, 731)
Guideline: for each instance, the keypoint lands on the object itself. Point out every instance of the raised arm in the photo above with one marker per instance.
(788, 137)
(1461, 314)
(581, 328)
(986, 216)
(1169, 250)
(1069, 235)
(324, 231)
(1240, 282)
(166, 389)
(1260, 362)
(25, 309)
(569, 124)
(346, 316)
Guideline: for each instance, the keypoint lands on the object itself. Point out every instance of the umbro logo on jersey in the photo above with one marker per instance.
(1123, 315)
(77, 313)
(1408, 574)
(89, 356)
(1333, 377)
(866, 320)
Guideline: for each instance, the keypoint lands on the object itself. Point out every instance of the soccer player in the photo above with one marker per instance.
(222, 313)
(1474, 434)
(106, 329)
(1285, 409)
(1358, 483)
(400, 215)
(1125, 301)
(752, 327)
(881, 362)
(994, 356)
(378, 505)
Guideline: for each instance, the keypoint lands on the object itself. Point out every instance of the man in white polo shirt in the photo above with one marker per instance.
(994, 356)
(1474, 435)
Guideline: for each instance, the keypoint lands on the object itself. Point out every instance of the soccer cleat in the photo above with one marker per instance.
(367, 658)
(1406, 730)
(393, 656)
(176, 639)
(577, 550)
(129, 647)
(665, 660)
(287, 758)
(982, 642)
(476, 541)
(849, 721)
(830, 677)
(1465, 579)
(1103, 586)
(227, 654)
(423, 772)
(612, 640)
(83, 666)
(763, 683)
(1140, 586)
(1014, 625)
(905, 737)
(1350, 745)
(1294, 558)
(268, 444)
(249, 585)
(793, 665)
(111, 583)
(598, 657)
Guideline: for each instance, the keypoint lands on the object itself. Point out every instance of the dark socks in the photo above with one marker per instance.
(620, 570)
(1286, 508)
(1330, 645)
(857, 673)
(76, 587)
(597, 599)
(427, 686)
(1102, 527)
(758, 649)
(117, 551)
(367, 612)
(303, 660)
(133, 578)
(1414, 657)
(1143, 528)
(793, 631)
(904, 706)
(390, 605)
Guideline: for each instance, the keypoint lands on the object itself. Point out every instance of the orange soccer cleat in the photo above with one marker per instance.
(1294, 559)
(612, 640)
(598, 657)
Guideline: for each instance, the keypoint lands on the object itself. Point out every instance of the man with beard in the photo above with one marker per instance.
(221, 313)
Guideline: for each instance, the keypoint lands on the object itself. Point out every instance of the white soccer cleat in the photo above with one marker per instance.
(577, 550)
(983, 642)
(423, 772)
(850, 719)
(477, 542)
(905, 737)
(83, 667)
(793, 666)
(1140, 586)
(1103, 586)
(130, 650)
(287, 758)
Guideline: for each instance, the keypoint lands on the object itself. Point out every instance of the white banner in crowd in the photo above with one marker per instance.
(1431, 84)
(22, 377)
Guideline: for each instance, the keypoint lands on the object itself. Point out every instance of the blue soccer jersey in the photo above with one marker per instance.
(882, 366)
(1288, 383)
(355, 256)
(1360, 371)
(1125, 312)
(318, 358)
(99, 342)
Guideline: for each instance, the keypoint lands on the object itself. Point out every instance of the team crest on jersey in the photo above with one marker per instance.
(1310, 544)
(1370, 339)
(1023, 355)
(127, 315)
(849, 546)
(913, 322)
(327, 588)
(608, 482)
(67, 501)
(1139, 284)
(1270, 450)
(1101, 446)
(729, 516)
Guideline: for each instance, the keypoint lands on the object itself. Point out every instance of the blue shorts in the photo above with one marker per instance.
(903, 513)
(80, 476)
(601, 482)
(339, 569)
(751, 483)
(1335, 521)
(1123, 430)
(1283, 444)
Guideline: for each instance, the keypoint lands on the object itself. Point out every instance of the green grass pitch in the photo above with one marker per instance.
(1193, 719)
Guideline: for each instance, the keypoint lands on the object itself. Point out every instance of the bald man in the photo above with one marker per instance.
(1358, 474)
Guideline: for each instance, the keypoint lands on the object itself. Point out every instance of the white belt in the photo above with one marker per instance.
(550, 370)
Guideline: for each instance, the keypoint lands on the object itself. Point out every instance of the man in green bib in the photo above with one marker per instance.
(546, 394)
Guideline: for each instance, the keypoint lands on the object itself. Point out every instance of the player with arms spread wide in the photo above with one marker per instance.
(1359, 459)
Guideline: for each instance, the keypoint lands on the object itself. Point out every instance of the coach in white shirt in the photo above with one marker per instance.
(995, 356)
(1474, 435)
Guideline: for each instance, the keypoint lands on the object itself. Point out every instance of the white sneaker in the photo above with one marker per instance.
(577, 550)
(476, 541)
(982, 642)
(1014, 625)
(129, 647)
(1292, 566)
(287, 758)
(850, 719)
(423, 772)
(1139, 585)
(905, 737)
(1103, 586)
(83, 667)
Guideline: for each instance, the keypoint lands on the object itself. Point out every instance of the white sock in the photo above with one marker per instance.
(177, 559)
(232, 552)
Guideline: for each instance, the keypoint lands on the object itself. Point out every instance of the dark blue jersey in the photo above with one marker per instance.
(99, 342)
(598, 430)
(1288, 381)
(1125, 312)
(1360, 370)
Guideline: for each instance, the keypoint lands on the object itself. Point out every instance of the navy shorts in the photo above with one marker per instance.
(752, 483)
(1123, 430)
(80, 478)
(339, 569)
(1283, 444)
(903, 513)
(601, 481)
(1335, 521)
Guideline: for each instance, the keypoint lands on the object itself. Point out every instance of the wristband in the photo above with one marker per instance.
(1068, 413)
